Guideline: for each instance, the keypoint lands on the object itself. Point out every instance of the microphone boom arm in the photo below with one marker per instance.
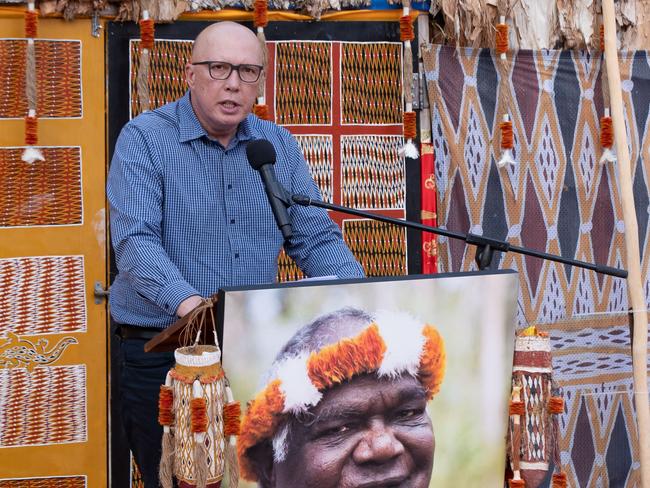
(485, 245)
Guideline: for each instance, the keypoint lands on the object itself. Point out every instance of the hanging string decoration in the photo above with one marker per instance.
(197, 411)
(607, 138)
(507, 134)
(606, 124)
(407, 34)
(146, 46)
(260, 20)
(507, 142)
(31, 154)
(502, 38)
(534, 406)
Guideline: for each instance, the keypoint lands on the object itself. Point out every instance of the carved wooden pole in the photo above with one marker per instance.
(634, 286)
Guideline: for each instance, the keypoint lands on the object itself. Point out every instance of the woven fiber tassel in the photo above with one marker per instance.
(166, 419)
(199, 425)
(232, 427)
(559, 480)
(606, 123)
(516, 411)
(507, 143)
(501, 40)
(31, 154)
(607, 138)
(260, 21)
(146, 45)
(409, 150)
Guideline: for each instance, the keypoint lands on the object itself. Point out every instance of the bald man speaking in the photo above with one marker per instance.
(189, 215)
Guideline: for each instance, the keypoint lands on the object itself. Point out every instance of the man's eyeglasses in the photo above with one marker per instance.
(220, 70)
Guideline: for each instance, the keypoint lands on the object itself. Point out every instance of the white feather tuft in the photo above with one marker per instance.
(299, 392)
(197, 389)
(280, 444)
(608, 156)
(31, 155)
(506, 158)
(402, 334)
(409, 150)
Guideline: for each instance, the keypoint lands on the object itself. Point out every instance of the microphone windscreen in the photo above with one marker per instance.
(260, 152)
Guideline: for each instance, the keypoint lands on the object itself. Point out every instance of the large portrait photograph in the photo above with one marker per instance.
(376, 383)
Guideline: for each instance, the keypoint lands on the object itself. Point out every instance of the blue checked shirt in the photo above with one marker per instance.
(189, 216)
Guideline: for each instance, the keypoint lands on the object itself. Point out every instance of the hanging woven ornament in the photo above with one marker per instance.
(555, 409)
(31, 154)
(516, 412)
(501, 40)
(607, 138)
(606, 124)
(507, 134)
(199, 416)
(407, 34)
(146, 46)
(507, 143)
(260, 20)
(532, 436)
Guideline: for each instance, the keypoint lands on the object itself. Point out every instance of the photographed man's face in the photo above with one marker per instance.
(367, 432)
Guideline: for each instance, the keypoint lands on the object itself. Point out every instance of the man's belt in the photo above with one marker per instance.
(134, 332)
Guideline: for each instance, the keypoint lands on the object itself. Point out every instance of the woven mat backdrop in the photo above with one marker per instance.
(557, 199)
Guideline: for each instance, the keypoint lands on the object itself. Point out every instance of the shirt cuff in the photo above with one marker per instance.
(172, 295)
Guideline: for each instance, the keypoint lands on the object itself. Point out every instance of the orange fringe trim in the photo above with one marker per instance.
(262, 111)
(31, 23)
(507, 136)
(517, 408)
(502, 38)
(409, 125)
(232, 418)
(338, 362)
(433, 362)
(606, 132)
(199, 415)
(31, 131)
(261, 421)
(602, 37)
(556, 405)
(165, 403)
(516, 483)
(559, 480)
(146, 34)
(260, 13)
(189, 374)
(406, 32)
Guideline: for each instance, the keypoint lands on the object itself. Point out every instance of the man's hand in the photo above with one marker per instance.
(188, 305)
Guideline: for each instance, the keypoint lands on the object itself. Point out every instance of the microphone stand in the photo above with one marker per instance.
(485, 245)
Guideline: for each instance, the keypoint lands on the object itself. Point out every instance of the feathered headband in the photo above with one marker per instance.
(393, 345)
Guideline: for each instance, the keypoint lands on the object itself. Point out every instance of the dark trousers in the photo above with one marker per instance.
(140, 379)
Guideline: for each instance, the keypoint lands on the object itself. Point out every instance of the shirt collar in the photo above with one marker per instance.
(191, 128)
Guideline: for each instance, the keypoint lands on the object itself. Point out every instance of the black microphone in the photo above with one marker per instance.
(261, 156)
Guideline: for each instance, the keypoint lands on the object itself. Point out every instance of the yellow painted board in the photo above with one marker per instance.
(87, 239)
